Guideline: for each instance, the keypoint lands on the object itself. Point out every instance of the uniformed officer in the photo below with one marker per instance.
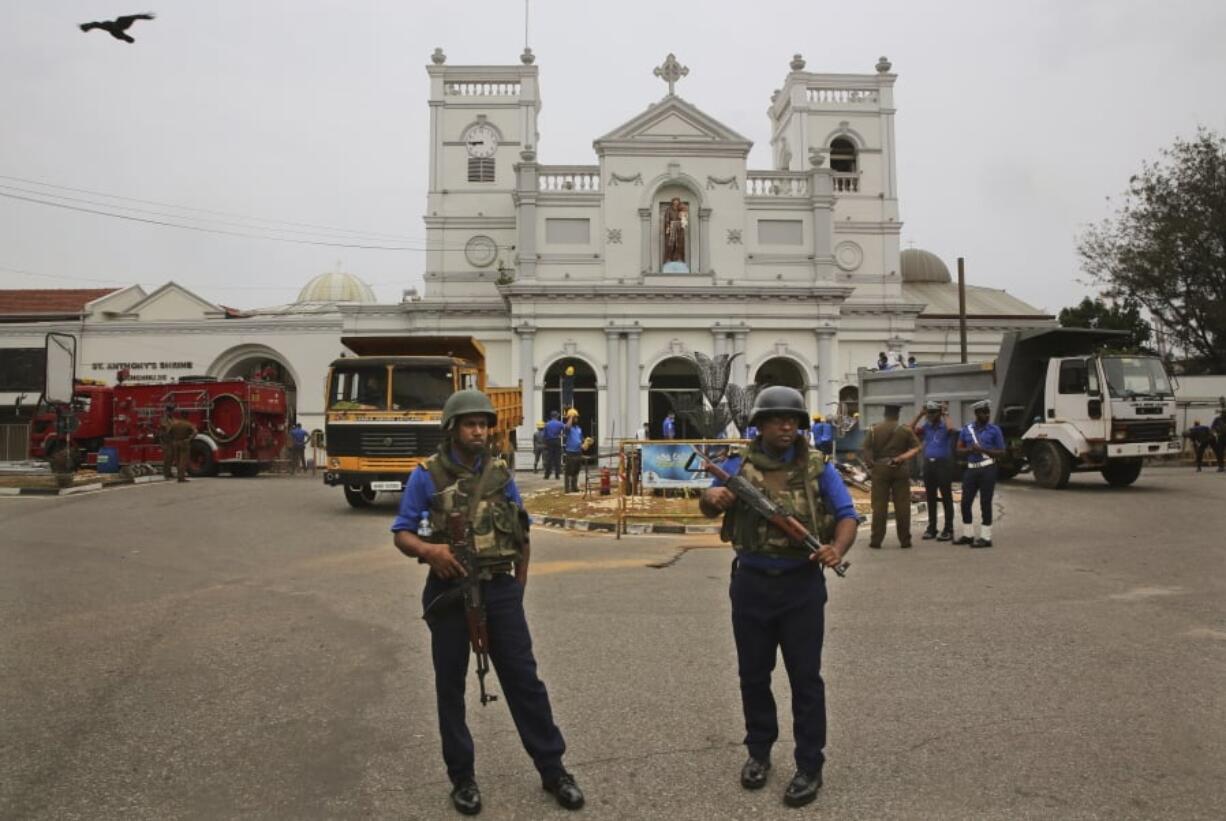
(823, 434)
(538, 445)
(888, 447)
(983, 443)
(937, 430)
(572, 446)
(669, 428)
(778, 591)
(446, 483)
(176, 439)
(553, 446)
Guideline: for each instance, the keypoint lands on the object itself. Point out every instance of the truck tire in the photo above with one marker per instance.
(1051, 465)
(1122, 472)
(200, 460)
(359, 496)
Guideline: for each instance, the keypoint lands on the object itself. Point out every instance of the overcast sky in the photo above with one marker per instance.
(1015, 121)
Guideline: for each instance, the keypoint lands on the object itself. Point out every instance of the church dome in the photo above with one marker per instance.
(923, 266)
(336, 287)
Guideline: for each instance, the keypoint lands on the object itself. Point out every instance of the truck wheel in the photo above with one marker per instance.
(1122, 472)
(359, 495)
(200, 461)
(1052, 465)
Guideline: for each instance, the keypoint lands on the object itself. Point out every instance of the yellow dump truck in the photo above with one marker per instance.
(385, 406)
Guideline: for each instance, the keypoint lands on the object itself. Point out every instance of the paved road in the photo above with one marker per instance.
(252, 648)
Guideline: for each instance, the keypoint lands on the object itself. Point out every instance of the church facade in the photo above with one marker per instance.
(670, 243)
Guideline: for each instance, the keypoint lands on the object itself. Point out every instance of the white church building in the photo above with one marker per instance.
(667, 244)
(670, 243)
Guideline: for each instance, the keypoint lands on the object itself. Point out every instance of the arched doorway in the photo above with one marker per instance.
(849, 400)
(584, 389)
(673, 381)
(257, 363)
(779, 370)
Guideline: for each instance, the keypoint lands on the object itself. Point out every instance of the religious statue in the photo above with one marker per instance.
(676, 226)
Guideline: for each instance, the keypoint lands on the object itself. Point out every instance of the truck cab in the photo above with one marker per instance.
(86, 423)
(384, 409)
(1105, 413)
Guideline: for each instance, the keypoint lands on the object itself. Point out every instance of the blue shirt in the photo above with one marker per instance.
(831, 490)
(420, 489)
(553, 429)
(989, 437)
(574, 439)
(751, 432)
(823, 432)
(670, 428)
(299, 435)
(938, 440)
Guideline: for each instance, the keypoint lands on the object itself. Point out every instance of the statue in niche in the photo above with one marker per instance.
(676, 225)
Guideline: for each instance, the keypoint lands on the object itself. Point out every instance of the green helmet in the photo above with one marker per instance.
(462, 403)
(779, 400)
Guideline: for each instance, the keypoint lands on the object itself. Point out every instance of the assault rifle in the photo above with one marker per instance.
(756, 499)
(459, 536)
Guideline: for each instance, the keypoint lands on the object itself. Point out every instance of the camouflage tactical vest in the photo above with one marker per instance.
(497, 530)
(790, 485)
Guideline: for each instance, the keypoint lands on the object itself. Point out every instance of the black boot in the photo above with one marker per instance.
(565, 790)
(753, 774)
(803, 789)
(930, 533)
(466, 797)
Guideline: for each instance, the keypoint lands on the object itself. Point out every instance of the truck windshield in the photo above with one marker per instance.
(358, 389)
(1129, 376)
(421, 388)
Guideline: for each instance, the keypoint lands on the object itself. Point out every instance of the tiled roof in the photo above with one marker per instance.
(941, 300)
(35, 302)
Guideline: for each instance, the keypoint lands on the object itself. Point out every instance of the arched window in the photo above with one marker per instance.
(842, 156)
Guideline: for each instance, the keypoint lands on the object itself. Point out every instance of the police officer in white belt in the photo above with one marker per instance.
(982, 443)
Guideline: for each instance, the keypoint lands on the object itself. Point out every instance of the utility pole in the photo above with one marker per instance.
(962, 307)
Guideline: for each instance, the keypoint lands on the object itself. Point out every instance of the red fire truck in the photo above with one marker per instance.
(240, 425)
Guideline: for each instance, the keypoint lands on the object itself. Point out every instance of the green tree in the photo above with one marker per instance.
(1165, 248)
(1126, 316)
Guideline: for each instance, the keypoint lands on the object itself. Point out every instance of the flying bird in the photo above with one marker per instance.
(119, 26)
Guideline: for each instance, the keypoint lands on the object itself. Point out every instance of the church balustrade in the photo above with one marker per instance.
(481, 88)
(846, 183)
(841, 96)
(776, 184)
(569, 178)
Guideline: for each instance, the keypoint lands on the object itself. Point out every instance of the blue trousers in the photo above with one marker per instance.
(981, 482)
(553, 458)
(781, 612)
(511, 656)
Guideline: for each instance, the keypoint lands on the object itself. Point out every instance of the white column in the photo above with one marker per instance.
(645, 240)
(704, 241)
(613, 424)
(623, 409)
(740, 368)
(634, 407)
(527, 377)
(719, 340)
(829, 379)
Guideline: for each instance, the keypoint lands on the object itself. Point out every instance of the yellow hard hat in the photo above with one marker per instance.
(539, 424)
(817, 417)
(572, 413)
(570, 370)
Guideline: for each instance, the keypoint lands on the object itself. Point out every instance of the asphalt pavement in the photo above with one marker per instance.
(253, 648)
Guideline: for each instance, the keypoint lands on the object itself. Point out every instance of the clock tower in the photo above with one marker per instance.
(481, 118)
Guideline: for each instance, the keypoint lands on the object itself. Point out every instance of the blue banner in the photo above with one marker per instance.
(665, 466)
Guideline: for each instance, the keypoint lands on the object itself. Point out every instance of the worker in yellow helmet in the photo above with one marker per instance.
(538, 445)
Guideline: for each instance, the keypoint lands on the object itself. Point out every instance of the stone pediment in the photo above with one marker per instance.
(673, 126)
(173, 302)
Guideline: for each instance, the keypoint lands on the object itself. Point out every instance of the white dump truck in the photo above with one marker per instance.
(1062, 407)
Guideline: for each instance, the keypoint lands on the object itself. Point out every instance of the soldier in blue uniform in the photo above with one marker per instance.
(983, 443)
(447, 483)
(823, 434)
(553, 446)
(778, 590)
(938, 433)
(572, 444)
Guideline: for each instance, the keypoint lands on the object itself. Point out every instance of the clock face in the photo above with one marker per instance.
(481, 141)
(480, 251)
